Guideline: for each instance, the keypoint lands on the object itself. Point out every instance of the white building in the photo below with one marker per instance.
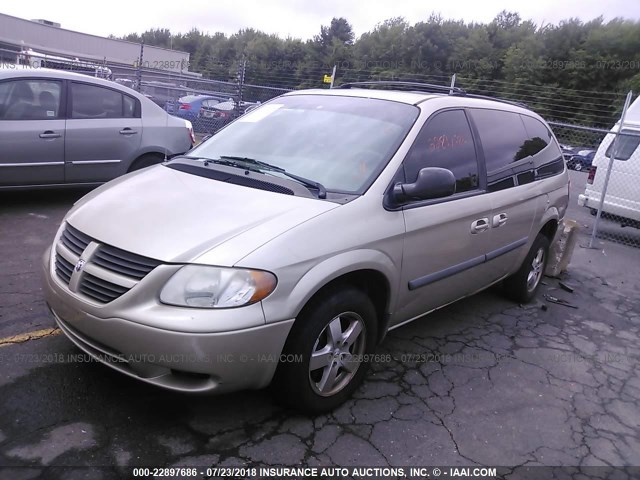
(48, 37)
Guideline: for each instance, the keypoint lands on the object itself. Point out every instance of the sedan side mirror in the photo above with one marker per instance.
(432, 182)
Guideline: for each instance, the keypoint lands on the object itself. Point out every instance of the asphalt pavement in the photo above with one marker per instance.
(481, 382)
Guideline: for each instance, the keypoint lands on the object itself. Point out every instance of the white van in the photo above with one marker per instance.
(623, 193)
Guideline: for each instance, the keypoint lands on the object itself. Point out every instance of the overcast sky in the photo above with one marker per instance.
(296, 18)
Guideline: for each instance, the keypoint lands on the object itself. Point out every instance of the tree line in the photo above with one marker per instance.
(573, 71)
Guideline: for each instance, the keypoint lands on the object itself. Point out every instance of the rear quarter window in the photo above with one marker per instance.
(517, 148)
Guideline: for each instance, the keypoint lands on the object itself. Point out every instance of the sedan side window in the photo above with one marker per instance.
(445, 141)
(90, 101)
(30, 100)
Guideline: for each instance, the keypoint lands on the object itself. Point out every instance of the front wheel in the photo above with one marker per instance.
(523, 285)
(330, 344)
(578, 166)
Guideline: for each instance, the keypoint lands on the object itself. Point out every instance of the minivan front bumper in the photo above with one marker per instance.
(183, 361)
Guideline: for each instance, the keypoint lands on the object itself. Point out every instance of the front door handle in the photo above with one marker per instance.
(127, 131)
(49, 134)
(480, 225)
(499, 220)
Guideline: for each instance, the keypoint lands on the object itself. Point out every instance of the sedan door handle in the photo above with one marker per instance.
(480, 225)
(499, 220)
(49, 134)
(128, 131)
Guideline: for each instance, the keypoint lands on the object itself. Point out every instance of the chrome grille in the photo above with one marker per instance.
(125, 263)
(101, 290)
(109, 272)
(64, 268)
(74, 240)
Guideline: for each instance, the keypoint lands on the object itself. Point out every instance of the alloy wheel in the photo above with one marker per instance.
(537, 270)
(337, 354)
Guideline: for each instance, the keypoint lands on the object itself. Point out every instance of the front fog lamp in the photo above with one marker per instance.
(216, 287)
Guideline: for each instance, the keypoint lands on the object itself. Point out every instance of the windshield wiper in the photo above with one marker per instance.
(232, 161)
(207, 160)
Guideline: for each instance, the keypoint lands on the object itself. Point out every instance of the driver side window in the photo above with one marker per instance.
(446, 142)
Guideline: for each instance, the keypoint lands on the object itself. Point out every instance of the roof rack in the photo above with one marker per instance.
(495, 99)
(429, 87)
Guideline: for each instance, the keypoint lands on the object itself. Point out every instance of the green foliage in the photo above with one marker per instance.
(574, 71)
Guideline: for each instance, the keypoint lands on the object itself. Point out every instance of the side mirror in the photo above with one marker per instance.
(432, 182)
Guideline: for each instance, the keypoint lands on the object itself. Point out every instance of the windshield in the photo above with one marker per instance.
(341, 142)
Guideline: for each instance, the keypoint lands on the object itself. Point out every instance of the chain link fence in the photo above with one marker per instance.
(602, 166)
(585, 135)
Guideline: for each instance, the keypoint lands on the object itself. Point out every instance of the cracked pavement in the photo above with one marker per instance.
(481, 382)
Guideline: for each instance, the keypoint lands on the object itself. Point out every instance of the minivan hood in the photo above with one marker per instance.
(174, 216)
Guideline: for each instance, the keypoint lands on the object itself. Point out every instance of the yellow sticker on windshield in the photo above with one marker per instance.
(260, 112)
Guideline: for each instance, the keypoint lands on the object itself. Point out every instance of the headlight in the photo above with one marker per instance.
(216, 287)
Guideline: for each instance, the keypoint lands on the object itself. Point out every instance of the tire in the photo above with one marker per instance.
(578, 166)
(523, 285)
(146, 160)
(341, 367)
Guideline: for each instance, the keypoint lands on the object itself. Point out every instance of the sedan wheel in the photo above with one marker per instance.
(578, 166)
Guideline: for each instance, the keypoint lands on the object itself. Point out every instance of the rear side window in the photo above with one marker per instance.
(627, 144)
(539, 135)
(503, 136)
(30, 100)
(445, 141)
(91, 101)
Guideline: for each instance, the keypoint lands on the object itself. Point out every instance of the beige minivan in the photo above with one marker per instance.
(282, 250)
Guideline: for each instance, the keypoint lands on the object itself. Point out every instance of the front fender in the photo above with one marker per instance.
(281, 307)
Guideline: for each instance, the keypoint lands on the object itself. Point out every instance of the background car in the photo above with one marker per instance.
(164, 94)
(127, 82)
(188, 107)
(568, 151)
(214, 116)
(61, 128)
(581, 160)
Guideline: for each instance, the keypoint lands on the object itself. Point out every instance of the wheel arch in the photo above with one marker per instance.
(142, 155)
(372, 282)
(371, 271)
(549, 228)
